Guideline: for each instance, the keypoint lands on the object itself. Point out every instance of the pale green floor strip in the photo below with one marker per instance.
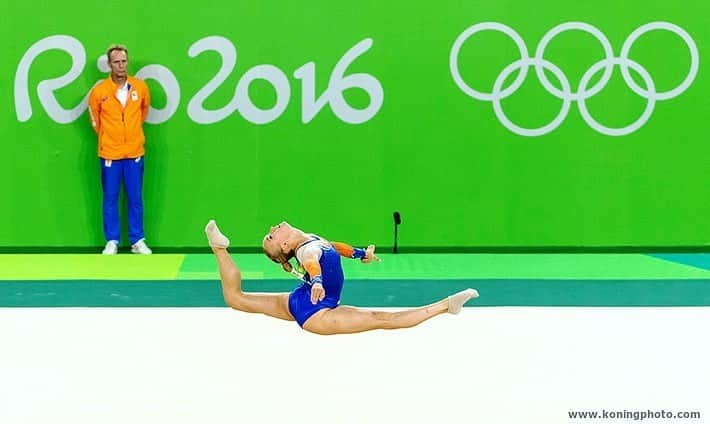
(252, 266)
(403, 266)
(472, 266)
(89, 266)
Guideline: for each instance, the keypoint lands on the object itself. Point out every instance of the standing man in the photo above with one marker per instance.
(118, 107)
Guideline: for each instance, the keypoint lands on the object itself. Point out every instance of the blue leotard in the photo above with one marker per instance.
(299, 301)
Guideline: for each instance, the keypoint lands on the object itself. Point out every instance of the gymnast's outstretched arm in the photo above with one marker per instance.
(346, 250)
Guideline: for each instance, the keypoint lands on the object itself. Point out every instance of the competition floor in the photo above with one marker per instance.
(92, 339)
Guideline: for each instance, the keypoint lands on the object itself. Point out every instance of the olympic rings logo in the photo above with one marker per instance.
(584, 92)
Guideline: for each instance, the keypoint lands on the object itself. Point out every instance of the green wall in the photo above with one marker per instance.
(443, 159)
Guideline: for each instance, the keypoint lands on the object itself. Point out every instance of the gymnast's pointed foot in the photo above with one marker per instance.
(215, 237)
(457, 300)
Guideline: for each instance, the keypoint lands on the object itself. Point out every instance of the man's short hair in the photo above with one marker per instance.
(113, 48)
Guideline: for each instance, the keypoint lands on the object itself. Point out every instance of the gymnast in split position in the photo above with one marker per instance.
(315, 303)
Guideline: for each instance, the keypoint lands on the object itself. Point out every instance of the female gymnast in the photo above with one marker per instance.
(315, 303)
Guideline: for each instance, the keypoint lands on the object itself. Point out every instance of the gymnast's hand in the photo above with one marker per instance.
(370, 255)
(317, 293)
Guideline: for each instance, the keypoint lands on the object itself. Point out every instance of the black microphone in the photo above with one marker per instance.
(397, 221)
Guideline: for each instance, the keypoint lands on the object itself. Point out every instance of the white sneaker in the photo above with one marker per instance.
(111, 248)
(457, 300)
(141, 248)
(215, 237)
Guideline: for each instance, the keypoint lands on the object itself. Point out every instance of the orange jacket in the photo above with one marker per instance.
(120, 129)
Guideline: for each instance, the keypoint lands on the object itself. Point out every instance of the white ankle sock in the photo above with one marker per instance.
(456, 301)
(214, 236)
